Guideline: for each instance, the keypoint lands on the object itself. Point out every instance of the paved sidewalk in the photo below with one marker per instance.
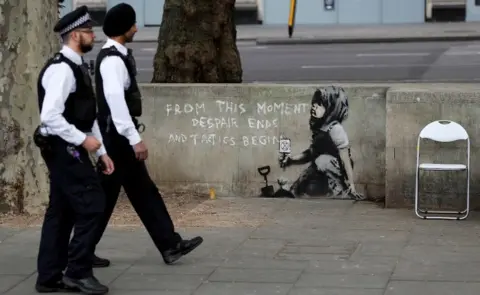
(304, 34)
(280, 247)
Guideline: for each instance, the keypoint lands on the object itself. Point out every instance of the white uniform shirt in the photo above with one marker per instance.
(115, 81)
(58, 82)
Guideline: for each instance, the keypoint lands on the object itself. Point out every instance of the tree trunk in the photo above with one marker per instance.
(27, 40)
(197, 43)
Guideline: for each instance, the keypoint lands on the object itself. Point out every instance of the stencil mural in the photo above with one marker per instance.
(330, 169)
(252, 126)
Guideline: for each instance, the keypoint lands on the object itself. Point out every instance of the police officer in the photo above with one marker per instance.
(67, 134)
(119, 105)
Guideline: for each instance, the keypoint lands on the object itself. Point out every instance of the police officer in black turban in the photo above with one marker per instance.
(119, 106)
(68, 133)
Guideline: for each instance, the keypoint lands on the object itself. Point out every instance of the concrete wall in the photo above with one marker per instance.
(275, 12)
(409, 108)
(382, 126)
(472, 10)
(346, 12)
(404, 11)
(359, 12)
(307, 12)
(67, 7)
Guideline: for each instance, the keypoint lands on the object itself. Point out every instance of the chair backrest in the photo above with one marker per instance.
(444, 131)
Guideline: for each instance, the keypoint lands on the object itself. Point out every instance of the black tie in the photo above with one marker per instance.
(85, 70)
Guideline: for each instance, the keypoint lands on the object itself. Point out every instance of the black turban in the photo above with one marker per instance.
(119, 20)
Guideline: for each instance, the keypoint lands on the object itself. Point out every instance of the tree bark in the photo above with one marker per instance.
(27, 40)
(197, 43)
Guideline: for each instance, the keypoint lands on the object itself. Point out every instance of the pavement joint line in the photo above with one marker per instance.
(282, 204)
(14, 233)
(207, 278)
(121, 273)
(298, 278)
(21, 281)
(405, 244)
(223, 260)
(357, 250)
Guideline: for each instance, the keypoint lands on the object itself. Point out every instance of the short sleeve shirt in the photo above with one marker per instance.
(339, 136)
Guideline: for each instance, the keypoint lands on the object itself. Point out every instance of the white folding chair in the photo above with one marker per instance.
(443, 131)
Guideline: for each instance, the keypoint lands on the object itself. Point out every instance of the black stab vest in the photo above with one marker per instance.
(133, 97)
(80, 106)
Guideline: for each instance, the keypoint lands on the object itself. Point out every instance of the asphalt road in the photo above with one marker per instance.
(399, 62)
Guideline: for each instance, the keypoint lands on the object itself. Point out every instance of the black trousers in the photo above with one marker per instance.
(76, 201)
(141, 191)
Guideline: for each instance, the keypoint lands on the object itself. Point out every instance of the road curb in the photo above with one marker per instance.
(312, 41)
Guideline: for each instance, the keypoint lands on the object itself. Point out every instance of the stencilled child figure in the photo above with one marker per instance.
(331, 165)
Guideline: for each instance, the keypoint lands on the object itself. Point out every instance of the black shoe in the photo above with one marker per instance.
(54, 288)
(183, 248)
(100, 262)
(188, 246)
(90, 285)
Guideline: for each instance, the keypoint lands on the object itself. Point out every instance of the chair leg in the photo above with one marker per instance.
(417, 209)
(424, 214)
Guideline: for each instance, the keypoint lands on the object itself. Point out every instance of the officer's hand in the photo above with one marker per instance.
(107, 164)
(141, 151)
(91, 144)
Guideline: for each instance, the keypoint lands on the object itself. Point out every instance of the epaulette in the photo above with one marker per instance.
(58, 56)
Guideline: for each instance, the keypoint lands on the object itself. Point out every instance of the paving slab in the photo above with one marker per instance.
(378, 249)
(437, 288)
(361, 266)
(436, 271)
(355, 281)
(266, 264)
(7, 282)
(254, 275)
(221, 288)
(187, 266)
(24, 287)
(159, 282)
(335, 291)
(5, 233)
(17, 265)
(301, 247)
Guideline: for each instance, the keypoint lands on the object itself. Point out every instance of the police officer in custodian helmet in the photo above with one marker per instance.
(68, 133)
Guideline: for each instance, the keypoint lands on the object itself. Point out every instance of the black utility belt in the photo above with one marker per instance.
(45, 141)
